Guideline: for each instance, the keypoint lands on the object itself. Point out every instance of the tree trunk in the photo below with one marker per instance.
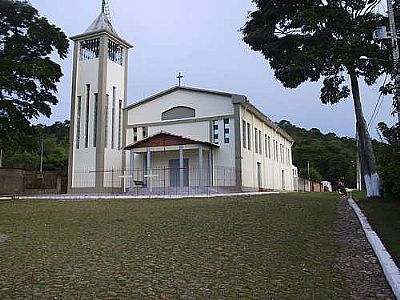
(365, 150)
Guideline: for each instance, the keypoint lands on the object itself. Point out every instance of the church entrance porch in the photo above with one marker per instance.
(170, 164)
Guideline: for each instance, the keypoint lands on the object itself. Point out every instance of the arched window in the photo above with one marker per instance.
(178, 112)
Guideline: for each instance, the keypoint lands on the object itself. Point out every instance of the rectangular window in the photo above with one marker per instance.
(256, 140)
(269, 147)
(226, 131)
(87, 116)
(145, 132)
(288, 157)
(244, 134)
(113, 118)
(266, 145)
(78, 122)
(260, 141)
(135, 135)
(119, 124)
(248, 136)
(89, 49)
(106, 121)
(115, 52)
(215, 132)
(276, 151)
(95, 110)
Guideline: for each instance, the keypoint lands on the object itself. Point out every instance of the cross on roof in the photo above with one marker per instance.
(179, 77)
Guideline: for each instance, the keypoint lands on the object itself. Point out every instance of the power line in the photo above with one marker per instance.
(378, 105)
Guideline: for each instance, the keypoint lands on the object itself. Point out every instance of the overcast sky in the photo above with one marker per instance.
(201, 39)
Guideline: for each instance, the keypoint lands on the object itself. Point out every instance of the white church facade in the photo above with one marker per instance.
(176, 140)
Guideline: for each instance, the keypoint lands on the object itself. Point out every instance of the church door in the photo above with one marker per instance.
(174, 173)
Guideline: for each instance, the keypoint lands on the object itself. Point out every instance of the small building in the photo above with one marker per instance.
(177, 140)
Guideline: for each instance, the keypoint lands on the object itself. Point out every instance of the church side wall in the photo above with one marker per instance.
(273, 160)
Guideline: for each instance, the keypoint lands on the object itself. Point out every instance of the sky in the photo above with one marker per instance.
(202, 40)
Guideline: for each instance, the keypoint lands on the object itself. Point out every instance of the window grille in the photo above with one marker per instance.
(115, 52)
(226, 131)
(90, 49)
(135, 135)
(215, 132)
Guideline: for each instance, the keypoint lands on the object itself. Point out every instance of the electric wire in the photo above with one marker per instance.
(378, 105)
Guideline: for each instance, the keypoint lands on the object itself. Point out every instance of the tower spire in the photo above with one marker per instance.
(105, 9)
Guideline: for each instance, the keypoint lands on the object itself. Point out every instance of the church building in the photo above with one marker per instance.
(178, 140)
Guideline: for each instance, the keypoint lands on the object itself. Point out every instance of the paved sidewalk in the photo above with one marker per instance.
(358, 260)
(69, 197)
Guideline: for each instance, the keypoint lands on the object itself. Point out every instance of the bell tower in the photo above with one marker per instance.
(99, 94)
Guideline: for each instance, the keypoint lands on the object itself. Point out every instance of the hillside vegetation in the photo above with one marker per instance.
(331, 157)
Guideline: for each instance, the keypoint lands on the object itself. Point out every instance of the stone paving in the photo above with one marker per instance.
(357, 260)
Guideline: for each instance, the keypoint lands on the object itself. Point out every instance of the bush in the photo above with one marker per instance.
(388, 158)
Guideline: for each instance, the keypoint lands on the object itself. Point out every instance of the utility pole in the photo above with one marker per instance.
(396, 54)
(358, 164)
(1, 158)
(308, 175)
(41, 155)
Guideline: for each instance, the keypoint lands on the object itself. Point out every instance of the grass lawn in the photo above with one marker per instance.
(277, 246)
(384, 217)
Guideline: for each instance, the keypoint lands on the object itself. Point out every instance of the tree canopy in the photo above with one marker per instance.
(330, 157)
(314, 40)
(28, 76)
(23, 151)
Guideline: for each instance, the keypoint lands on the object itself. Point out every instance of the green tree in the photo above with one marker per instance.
(23, 151)
(28, 76)
(389, 159)
(312, 40)
(331, 156)
(314, 174)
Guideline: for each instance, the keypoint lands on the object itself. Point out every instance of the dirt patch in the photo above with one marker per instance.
(357, 258)
(3, 238)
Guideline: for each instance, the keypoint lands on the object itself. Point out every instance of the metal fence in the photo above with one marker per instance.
(162, 181)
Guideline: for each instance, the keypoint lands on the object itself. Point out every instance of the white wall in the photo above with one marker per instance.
(113, 155)
(85, 158)
(271, 168)
(205, 104)
(209, 106)
(84, 163)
